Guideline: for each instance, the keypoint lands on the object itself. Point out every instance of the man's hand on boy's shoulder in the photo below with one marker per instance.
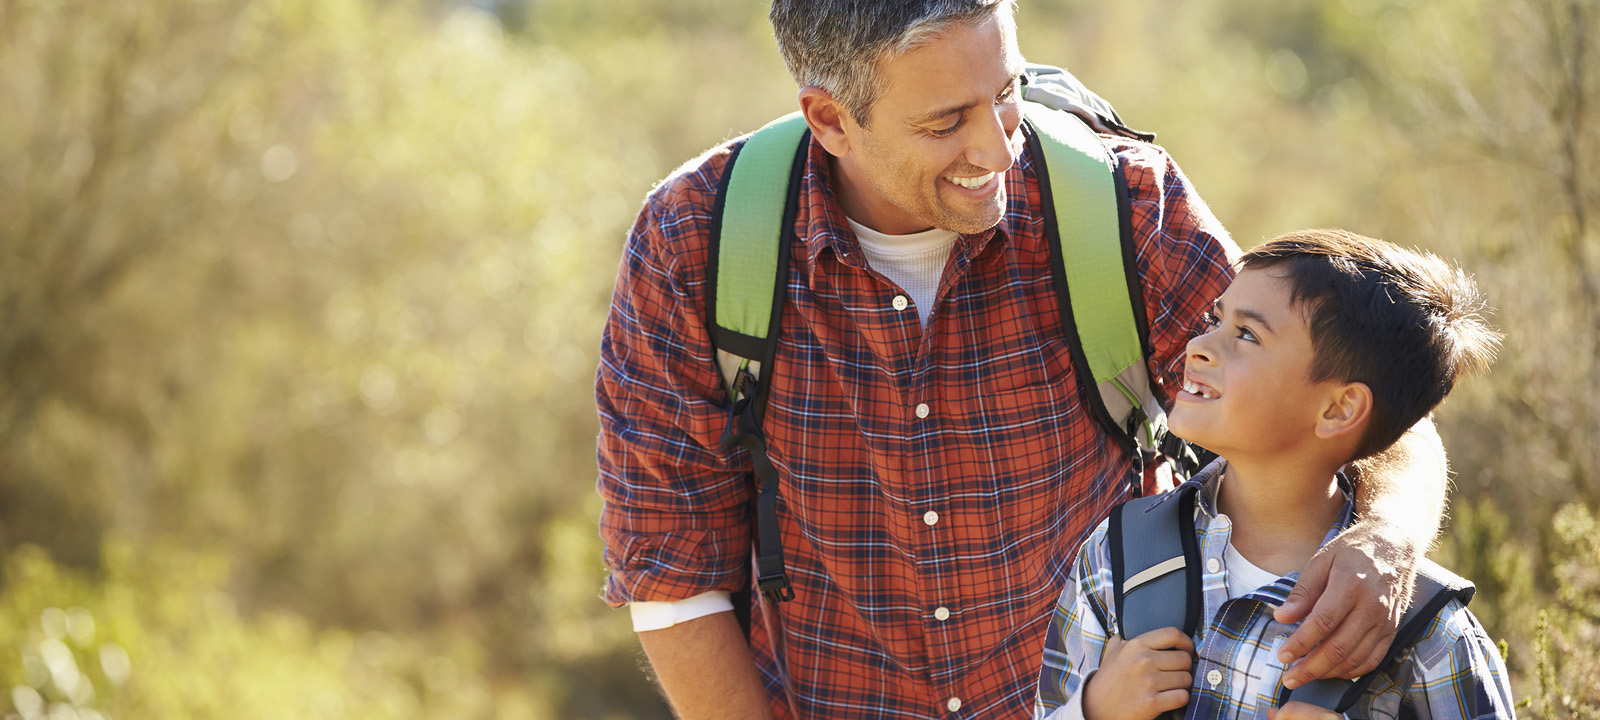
(1350, 596)
(1141, 678)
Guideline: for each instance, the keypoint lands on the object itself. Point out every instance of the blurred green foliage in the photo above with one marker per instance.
(299, 303)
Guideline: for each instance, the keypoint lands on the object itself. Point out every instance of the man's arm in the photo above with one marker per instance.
(706, 670)
(1353, 592)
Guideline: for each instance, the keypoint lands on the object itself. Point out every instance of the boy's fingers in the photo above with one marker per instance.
(1171, 680)
(1167, 638)
(1171, 699)
(1174, 660)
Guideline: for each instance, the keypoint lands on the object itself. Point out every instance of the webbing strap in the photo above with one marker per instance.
(756, 193)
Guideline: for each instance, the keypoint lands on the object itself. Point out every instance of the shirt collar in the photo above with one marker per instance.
(1208, 482)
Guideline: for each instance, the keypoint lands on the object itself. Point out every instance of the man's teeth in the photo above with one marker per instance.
(972, 183)
(1196, 389)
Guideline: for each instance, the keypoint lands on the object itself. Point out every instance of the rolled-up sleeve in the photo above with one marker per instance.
(1184, 256)
(675, 515)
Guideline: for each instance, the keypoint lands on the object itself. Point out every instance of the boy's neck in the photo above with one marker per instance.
(1281, 511)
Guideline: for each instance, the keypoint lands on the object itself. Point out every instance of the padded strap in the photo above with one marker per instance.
(1154, 570)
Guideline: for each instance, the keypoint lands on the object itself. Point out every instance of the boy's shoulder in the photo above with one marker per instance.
(1447, 629)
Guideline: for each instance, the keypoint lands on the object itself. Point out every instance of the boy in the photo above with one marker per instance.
(1324, 350)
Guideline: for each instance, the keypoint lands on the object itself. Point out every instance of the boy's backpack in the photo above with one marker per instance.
(1087, 221)
(1155, 574)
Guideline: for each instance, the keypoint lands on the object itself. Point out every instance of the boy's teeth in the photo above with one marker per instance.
(972, 183)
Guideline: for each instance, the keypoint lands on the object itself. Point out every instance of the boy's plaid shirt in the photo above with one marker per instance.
(1453, 672)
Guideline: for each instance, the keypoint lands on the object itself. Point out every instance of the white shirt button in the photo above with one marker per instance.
(900, 302)
(923, 410)
(930, 517)
(954, 704)
(1213, 565)
(1214, 677)
(941, 614)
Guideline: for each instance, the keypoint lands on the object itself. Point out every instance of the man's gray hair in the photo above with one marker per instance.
(837, 45)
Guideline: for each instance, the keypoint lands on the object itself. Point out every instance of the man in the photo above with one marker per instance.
(938, 470)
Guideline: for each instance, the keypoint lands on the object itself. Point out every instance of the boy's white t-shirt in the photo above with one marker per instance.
(1243, 576)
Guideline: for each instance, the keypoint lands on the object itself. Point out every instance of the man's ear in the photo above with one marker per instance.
(1347, 409)
(827, 117)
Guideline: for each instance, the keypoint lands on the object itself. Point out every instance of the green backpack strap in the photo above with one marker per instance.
(749, 273)
(1088, 222)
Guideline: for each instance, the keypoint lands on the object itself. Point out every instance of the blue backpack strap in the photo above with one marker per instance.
(1155, 563)
(1435, 588)
(1155, 566)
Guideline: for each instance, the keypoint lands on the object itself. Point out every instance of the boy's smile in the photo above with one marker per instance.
(1247, 386)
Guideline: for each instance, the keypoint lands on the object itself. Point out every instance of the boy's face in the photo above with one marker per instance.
(1247, 387)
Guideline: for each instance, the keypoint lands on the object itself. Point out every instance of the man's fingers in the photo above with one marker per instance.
(1366, 656)
(1313, 580)
(1325, 617)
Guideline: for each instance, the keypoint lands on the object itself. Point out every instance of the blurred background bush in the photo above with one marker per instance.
(299, 304)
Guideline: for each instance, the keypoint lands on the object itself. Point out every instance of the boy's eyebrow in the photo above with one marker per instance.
(1247, 314)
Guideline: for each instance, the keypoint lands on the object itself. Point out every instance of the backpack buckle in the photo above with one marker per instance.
(772, 581)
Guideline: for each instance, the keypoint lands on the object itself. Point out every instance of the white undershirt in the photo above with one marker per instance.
(915, 262)
(1243, 575)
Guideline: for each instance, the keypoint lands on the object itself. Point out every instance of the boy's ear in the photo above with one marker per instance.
(1346, 411)
(827, 118)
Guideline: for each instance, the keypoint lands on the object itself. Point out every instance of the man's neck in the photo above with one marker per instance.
(1281, 510)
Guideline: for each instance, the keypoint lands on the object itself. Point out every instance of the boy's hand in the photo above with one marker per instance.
(1359, 583)
(1141, 678)
(1301, 711)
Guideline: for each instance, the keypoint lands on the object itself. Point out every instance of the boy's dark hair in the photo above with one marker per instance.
(1406, 323)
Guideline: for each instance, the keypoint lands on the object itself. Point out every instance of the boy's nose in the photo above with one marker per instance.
(1196, 350)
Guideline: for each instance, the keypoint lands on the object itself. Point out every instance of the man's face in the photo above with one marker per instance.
(941, 137)
(1247, 387)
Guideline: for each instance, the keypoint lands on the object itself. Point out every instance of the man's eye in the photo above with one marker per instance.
(945, 132)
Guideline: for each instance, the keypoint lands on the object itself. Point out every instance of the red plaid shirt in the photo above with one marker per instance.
(935, 482)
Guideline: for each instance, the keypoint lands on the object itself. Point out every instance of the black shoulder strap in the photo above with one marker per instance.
(749, 276)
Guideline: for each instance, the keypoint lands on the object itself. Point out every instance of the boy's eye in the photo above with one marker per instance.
(1246, 334)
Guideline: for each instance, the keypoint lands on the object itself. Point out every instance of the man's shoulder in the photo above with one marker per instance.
(694, 183)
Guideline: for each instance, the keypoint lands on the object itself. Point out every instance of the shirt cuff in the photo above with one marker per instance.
(662, 615)
(1073, 710)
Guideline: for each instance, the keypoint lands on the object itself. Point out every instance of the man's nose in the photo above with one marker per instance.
(997, 143)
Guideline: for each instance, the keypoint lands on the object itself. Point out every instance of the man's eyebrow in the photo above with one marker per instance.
(933, 115)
